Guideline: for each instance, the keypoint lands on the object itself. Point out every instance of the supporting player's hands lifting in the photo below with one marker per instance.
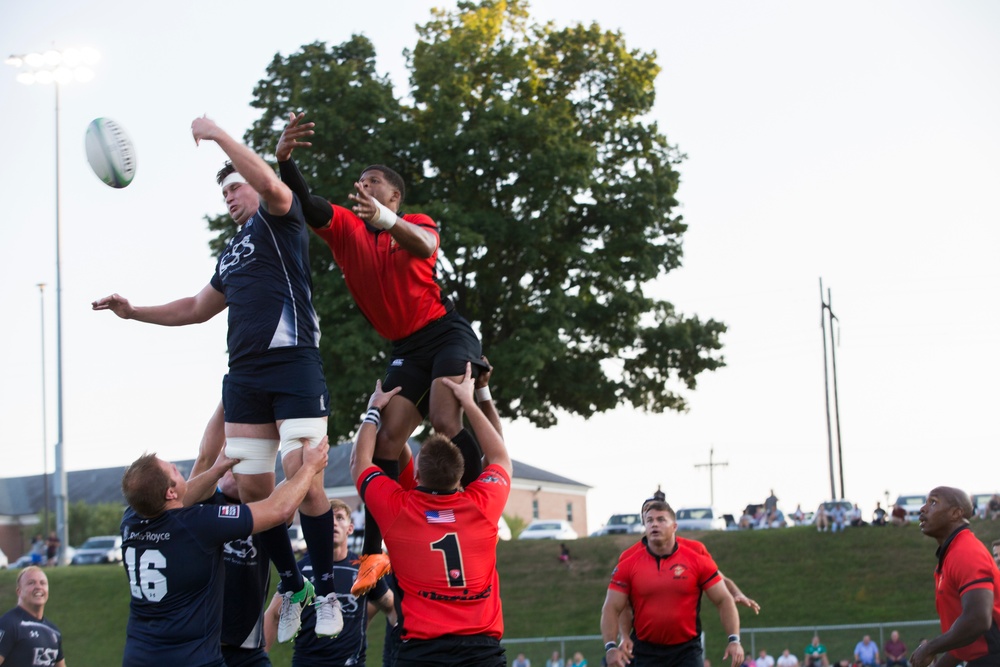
(204, 127)
(291, 136)
(483, 379)
(117, 304)
(464, 391)
(316, 457)
(380, 398)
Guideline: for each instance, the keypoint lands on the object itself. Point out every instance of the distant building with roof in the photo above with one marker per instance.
(535, 494)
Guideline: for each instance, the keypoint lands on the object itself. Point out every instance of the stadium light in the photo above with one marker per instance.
(58, 68)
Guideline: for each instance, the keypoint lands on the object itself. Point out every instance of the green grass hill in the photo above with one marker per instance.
(800, 577)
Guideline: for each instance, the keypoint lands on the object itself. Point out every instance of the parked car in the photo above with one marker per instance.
(503, 530)
(99, 549)
(620, 524)
(21, 563)
(981, 503)
(828, 506)
(912, 505)
(700, 518)
(548, 529)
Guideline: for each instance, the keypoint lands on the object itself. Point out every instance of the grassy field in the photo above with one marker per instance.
(800, 577)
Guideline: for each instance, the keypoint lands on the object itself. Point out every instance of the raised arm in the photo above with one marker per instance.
(275, 194)
(212, 441)
(288, 495)
(412, 238)
(196, 309)
(484, 398)
(364, 443)
(201, 486)
(317, 210)
(490, 440)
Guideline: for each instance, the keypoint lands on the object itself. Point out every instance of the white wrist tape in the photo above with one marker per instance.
(483, 394)
(385, 218)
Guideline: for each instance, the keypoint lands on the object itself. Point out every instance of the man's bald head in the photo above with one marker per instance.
(955, 498)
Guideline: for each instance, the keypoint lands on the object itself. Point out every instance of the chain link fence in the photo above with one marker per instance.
(839, 640)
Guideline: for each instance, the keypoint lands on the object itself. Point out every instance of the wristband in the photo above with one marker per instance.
(734, 639)
(483, 394)
(385, 218)
(373, 417)
(609, 646)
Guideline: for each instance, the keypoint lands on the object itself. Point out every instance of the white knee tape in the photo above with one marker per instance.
(293, 431)
(256, 455)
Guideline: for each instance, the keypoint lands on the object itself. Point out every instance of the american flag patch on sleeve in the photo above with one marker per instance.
(229, 511)
(440, 516)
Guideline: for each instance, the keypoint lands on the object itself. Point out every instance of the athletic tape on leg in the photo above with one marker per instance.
(256, 455)
(293, 431)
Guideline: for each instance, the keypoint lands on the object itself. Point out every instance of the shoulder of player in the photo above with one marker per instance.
(421, 220)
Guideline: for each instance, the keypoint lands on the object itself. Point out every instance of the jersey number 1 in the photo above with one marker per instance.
(450, 548)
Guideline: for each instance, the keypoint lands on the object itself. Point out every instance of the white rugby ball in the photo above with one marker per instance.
(110, 152)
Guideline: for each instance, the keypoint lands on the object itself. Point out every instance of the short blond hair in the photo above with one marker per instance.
(338, 504)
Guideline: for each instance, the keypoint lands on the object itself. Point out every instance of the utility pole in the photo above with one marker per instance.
(827, 311)
(711, 465)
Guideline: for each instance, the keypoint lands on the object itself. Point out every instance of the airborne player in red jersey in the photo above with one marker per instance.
(388, 261)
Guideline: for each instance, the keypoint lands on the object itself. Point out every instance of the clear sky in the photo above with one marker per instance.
(852, 141)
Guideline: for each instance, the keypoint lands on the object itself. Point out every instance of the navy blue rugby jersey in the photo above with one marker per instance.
(264, 274)
(174, 564)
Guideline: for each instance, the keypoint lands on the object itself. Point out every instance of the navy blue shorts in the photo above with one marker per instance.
(452, 650)
(440, 349)
(287, 383)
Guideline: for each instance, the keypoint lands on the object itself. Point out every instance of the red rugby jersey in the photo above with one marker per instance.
(965, 564)
(665, 592)
(395, 290)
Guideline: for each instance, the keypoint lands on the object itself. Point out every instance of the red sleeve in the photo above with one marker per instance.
(490, 491)
(382, 494)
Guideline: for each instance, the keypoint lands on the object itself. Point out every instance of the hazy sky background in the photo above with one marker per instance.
(852, 141)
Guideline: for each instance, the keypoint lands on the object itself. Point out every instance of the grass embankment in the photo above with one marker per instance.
(800, 577)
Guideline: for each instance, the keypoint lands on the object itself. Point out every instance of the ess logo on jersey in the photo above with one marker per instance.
(236, 253)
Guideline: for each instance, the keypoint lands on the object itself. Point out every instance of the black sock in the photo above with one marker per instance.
(279, 549)
(473, 455)
(318, 531)
(373, 535)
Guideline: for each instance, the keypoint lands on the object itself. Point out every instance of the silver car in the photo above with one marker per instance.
(99, 549)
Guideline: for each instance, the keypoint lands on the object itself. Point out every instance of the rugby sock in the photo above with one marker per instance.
(318, 531)
(472, 454)
(373, 535)
(279, 550)
(406, 478)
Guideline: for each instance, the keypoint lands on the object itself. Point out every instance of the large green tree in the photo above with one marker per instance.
(531, 147)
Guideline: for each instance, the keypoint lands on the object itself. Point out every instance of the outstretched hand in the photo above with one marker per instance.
(364, 204)
(380, 398)
(291, 136)
(204, 127)
(117, 304)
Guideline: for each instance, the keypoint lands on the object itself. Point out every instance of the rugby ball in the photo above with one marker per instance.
(110, 152)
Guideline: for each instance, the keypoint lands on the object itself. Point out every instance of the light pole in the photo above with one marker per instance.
(57, 68)
(45, 419)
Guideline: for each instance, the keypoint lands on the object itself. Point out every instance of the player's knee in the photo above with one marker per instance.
(293, 433)
(447, 425)
(256, 455)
